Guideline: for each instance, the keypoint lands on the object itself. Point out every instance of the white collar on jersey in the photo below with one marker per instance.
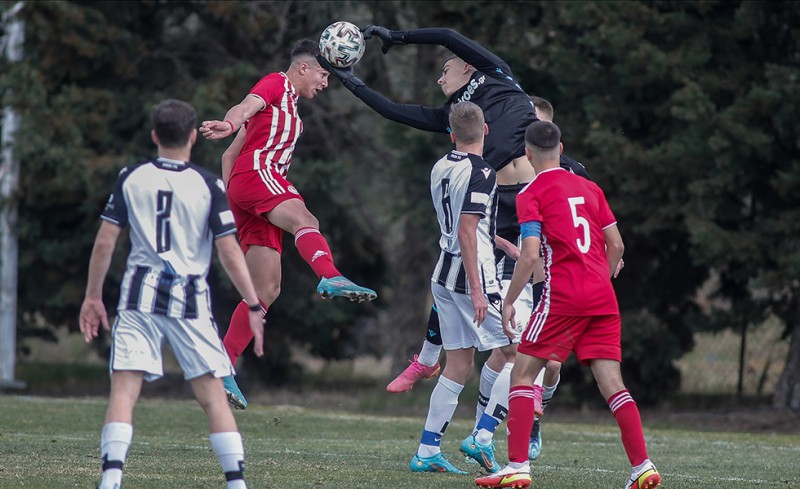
(548, 170)
(168, 160)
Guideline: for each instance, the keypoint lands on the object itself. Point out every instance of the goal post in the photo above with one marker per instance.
(14, 30)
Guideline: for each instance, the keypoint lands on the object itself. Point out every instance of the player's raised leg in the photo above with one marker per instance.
(425, 365)
(293, 216)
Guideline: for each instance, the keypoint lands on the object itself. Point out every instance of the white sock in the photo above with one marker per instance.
(548, 391)
(488, 378)
(114, 442)
(498, 403)
(443, 403)
(429, 355)
(521, 466)
(230, 452)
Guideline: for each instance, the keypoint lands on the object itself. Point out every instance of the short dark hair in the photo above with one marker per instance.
(466, 121)
(543, 135)
(542, 105)
(304, 48)
(173, 121)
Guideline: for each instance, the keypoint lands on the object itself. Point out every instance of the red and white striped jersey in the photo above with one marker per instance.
(273, 131)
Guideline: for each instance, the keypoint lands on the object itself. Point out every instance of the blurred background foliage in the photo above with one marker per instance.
(684, 112)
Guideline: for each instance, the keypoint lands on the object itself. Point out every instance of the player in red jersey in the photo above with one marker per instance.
(263, 202)
(567, 216)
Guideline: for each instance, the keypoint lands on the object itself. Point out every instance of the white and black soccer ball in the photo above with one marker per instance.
(342, 44)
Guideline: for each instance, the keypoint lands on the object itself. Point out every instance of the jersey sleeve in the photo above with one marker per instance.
(528, 208)
(481, 184)
(463, 47)
(269, 89)
(573, 166)
(116, 209)
(422, 117)
(220, 217)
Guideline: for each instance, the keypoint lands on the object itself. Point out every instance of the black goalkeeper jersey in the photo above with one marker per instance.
(506, 107)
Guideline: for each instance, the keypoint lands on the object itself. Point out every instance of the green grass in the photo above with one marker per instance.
(53, 443)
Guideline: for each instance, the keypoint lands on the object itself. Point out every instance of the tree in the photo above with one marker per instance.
(684, 112)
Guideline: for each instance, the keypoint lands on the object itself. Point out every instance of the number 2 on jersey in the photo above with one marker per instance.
(579, 221)
(163, 214)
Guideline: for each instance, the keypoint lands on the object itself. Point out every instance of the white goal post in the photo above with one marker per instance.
(14, 30)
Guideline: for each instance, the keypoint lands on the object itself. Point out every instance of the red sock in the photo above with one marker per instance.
(239, 334)
(315, 251)
(630, 426)
(520, 422)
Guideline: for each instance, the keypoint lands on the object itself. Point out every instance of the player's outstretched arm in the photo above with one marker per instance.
(614, 249)
(232, 259)
(425, 118)
(93, 311)
(234, 118)
(462, 46)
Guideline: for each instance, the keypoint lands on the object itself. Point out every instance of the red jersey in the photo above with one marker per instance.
(573, 212)
(273, 131)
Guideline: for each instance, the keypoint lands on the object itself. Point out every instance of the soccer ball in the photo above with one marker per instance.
(342, 44)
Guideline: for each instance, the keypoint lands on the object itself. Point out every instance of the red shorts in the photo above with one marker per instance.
(553, 337)
(252, 194)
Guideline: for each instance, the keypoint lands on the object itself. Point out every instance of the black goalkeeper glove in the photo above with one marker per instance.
(346, 75)
(389, 38)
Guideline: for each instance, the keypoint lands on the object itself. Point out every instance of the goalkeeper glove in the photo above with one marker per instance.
(346, 75)
(389, 38)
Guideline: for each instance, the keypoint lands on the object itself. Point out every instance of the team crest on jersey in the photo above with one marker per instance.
(293, 190)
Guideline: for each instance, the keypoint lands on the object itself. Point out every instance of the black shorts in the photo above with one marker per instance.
(507, 223)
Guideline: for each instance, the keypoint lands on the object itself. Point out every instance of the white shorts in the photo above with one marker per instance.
(458, 329)
(523, 306)
(137, 339)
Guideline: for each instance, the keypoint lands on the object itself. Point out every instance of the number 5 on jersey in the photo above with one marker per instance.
(579, 221)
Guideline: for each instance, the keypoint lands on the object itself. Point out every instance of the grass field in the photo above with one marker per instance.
(53, 443)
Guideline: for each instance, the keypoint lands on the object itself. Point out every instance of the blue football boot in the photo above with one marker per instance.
(437, 463)
(343, 287)
(235, 397)
(483, 454)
